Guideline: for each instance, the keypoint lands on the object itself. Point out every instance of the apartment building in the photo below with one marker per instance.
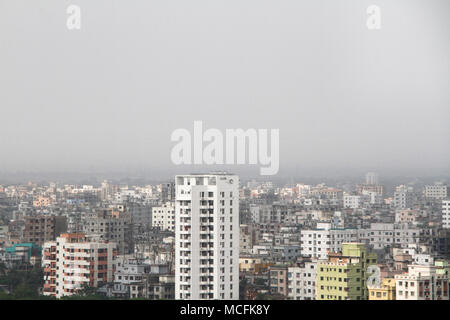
(39, 229)
(135, 278)
(364, 188)
(110, 224)
(278, 279)
(327, 192)
(168, 192)
(318, 242)
(160, 286)
(353, 201)
(446, 214)
(386, 290)
(163, 217)
(382, 235)
(344, 275)
(72, 262)
(253, 264)
(42, 201)
(302, 281)
(261, 213)
(408, 216)
(141, 213)
(207, 236)
(403, 197)
(246, 238)
(129, 273)
(437, 191)
(422, 282)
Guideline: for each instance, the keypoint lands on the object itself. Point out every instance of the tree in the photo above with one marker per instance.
(23, 282)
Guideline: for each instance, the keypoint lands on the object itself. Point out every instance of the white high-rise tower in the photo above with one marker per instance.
(207, 236)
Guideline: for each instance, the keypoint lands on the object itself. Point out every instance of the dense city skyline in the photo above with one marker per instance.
(216, 236)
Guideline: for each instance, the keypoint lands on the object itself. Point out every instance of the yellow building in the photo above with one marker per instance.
(344, 275)
(253, 265)
(385, 292)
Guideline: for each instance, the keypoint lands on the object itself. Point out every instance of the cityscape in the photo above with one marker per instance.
(215, 237)
(208, 159)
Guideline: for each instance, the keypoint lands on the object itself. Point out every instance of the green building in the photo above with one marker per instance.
(344, 275)
(26, 250)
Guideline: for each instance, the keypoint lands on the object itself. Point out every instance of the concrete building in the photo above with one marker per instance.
(406, 216)
(253, 264)
(141, 213)
(260, 213)
(344, 275)
(302, 281)
(168, 192)
(136, 278)
(278, 279)
(42, 201)
(382, 235)
(446, 214)
(160, 286)
(318, 242)
(437, 191)
(422, 282)
(353, 201)
(246, 238)
(40, 229)
(403, 198)
(365, 188)
(386, 291)
(207, 236)
(163, 217)
(72, 262)
(110, 224)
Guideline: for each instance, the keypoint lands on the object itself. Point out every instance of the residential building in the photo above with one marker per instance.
(422, 282)
(386, 291)
(207, 236)
(446, 214)
(163, 217)
(437, 191)
(39, 229)
(403, 198)
(302, 281)
(318, 242)
(110, 224)
(344, 275)
(278, 279)
(72, 262)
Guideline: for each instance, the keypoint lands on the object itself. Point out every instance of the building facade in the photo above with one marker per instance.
(163, 216)
(40, 229)
(207, 236)
(344, 275)
(72, 262)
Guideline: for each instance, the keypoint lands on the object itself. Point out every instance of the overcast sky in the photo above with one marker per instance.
(108, 96)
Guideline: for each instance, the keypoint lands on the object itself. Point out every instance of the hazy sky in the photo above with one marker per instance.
(108, 96)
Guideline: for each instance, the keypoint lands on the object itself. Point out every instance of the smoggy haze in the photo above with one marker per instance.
(109, 95)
